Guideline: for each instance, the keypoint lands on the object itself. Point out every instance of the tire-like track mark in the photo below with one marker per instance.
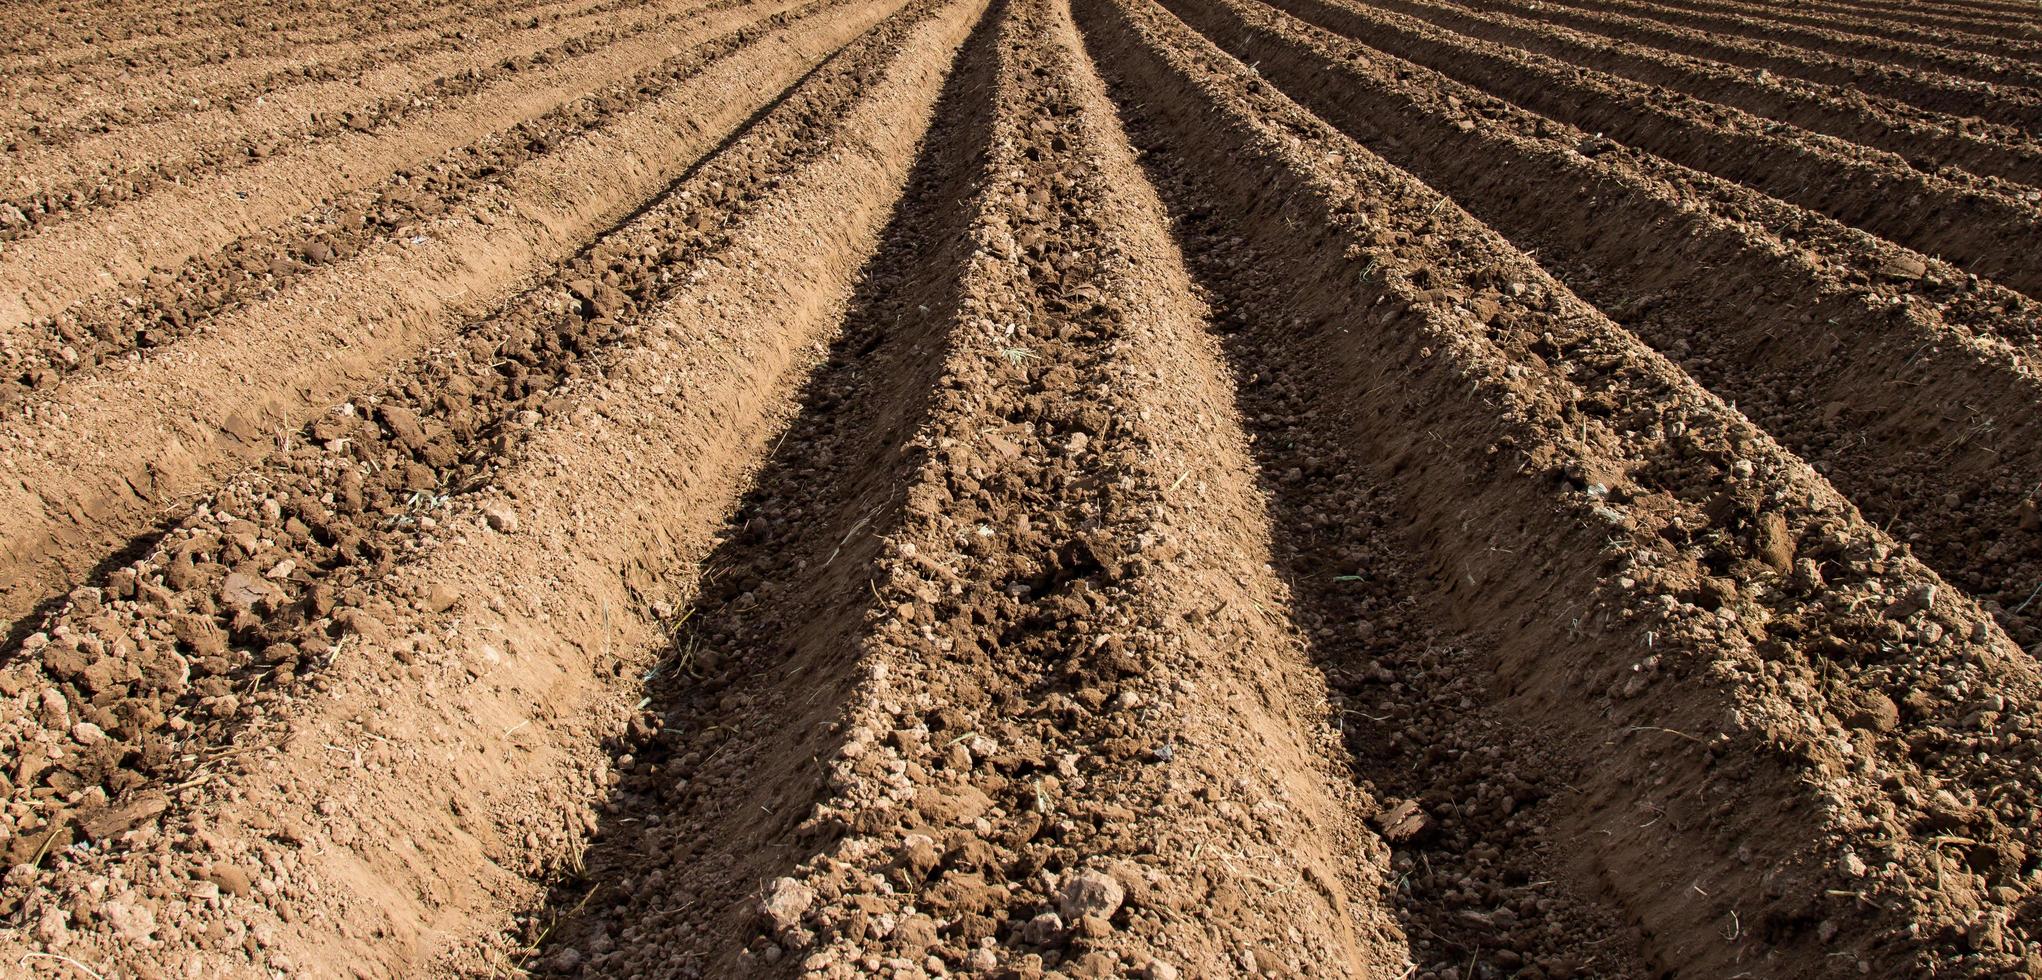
(1948, 215)
(554, 568)
(1728, 766)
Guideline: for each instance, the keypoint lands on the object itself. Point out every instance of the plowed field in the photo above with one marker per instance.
(1401, 489)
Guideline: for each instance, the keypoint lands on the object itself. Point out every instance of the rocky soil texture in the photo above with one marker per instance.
(1467, 489)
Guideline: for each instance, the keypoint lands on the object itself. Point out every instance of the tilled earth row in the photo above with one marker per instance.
(1160, 488)
(104, 91)
(54, 182)
(1720, 18)
(1981, 104)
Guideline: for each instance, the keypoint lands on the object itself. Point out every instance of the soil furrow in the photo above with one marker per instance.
(1930, 12)
(169, 306)
(720, 767)
(554, 568)
(64, 107)
(126, 31)
(1416, 489)
(34, 49)
(57, 183)
(1479, 872)
(81, 478)
(434, 432)
(1063, 675)
(1857, 27)
(1846, 26)
(1086, 739)
(2010, 115)
(2015, 28)
(1926, 140)
(122, 244)
(1977, 67)
(2019, 25)
(223, 43)
(1902, 348)
(1947, 215)
(1760, 697)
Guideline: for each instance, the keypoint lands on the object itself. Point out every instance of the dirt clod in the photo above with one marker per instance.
(1034, 488)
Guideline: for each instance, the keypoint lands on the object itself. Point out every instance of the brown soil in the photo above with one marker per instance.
(1973, 225)
(1846, 22)
(1021, 488)
(53, 183)
(1709, 15)
(1926, 140)
(1981, 104)
(107, 93)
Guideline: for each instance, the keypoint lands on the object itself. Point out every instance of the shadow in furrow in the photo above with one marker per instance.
(476, 436)
(1477, 887)
(724, 760)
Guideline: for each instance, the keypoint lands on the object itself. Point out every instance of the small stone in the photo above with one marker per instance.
(566, 960)
(361, 623)
(231, 879)
(1987, 935)
(1903, 267)
(785, 902)
(1042, 930)
(1403, 822)
(1807, 575)
(441, 597)
(501, 518)
(1871, 711)
(1916, 600)
(85, 601)
(244, 591)
(404, 425)
(131, 917)
(597, 298)
(55, 711)
(1091, 892)
(920, 856)
(915, 933)
(1775, 542)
